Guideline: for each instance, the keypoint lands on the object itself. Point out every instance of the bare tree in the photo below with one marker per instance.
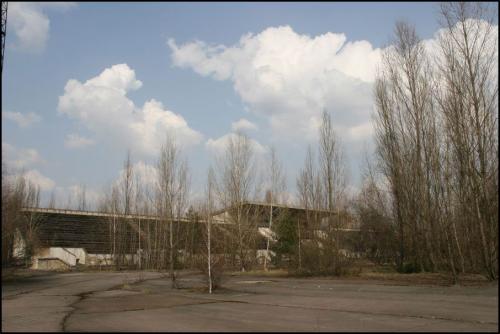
(332, 175)
(173, 190)
(436, 131)
(332, 169)
(468, 100)
(378, 235)
(407, 144)
(52, 200)
(311, 192)
(81, 197)
(235, 184)
(122, 204)
(277, 186)
(127, 184)
(209, 210)
(19, 192)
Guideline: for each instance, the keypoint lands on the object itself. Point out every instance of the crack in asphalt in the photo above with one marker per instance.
(354, 312)
(380, 313)
(150, 308)
(10, 297)
(214, 299)
(82, 296)
(218, 301)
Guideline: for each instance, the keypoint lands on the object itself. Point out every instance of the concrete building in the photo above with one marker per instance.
(68, 238)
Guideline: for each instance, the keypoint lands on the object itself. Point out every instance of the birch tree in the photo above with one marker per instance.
(208, 214)
(172, 191)
(468, 101)
(236, 179)
(277, 186)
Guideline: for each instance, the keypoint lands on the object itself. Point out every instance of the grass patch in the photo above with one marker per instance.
(14, 274)
(440, 279)
(126, 286)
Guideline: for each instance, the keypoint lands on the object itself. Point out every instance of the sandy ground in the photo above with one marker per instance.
(132, 301)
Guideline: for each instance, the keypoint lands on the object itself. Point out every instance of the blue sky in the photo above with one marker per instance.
(203, 79)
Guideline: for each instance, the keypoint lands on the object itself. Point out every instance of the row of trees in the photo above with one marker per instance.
(429, 200)
(166, 243)
(232, 187)
(321, 188)
(18, 192)
(437, 149)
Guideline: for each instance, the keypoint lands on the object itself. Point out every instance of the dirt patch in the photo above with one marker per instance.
(269, 273)
(438, 279)
(15, 274)
(252, 282)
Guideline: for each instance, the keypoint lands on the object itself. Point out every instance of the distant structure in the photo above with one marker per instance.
(68, 238)
(71, 237)
(4, 27)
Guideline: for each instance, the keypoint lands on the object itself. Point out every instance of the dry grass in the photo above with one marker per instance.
(370, 271)
(363, 270)
(441, 279)
(12, 274)
(269, 273)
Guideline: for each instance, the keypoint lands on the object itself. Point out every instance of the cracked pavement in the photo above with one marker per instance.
(134, 301)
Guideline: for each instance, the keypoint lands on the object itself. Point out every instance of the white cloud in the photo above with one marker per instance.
(19, 158)
(75, 141)
(145, 174)
(291, 78)
(102, 105)
(362, 131)
(119, 77)
(74, 192)
(476, 30)
(68, 197)
(45, 183)
(30, 23)
(243, 124)
(22, 120)
(219, 145)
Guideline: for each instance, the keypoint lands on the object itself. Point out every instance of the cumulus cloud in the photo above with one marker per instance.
(481, 30)
(30, 23)
(102, 105)
(22, 160)
(75, 141)
(22, 120)
(75, 192)
(288, 79)
(243, 124)
(69, 197)
(362, 131)
(145, 174)
(19, 158)
(291, 78)
(219, 145)
(34, 176)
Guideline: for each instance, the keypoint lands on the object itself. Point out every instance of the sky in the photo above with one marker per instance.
(85, 82)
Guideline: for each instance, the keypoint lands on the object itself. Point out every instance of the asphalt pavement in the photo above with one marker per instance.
(145, 301)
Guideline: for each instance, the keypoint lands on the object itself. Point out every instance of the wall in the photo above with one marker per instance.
(99, 259)
(67, 255)
(107, 259)
(51, 264)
